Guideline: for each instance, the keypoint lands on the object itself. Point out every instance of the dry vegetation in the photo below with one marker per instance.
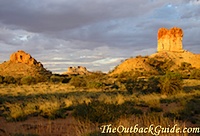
(161, 89)
(84, 103)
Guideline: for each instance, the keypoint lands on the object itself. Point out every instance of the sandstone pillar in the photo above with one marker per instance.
(170, 40)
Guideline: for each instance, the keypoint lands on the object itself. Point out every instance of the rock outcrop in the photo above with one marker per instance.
(23, 57)
(77, 71)
(23, 64)
(170, 40)
(170, 54)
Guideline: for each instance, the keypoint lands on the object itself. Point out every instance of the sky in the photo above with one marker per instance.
(97, 34)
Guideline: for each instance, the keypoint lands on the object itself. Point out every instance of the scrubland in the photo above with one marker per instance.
(80, 105)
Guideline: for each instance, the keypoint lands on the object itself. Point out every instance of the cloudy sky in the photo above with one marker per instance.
(97, 34)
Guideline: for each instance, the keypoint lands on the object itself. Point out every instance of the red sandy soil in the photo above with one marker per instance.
(44, 127)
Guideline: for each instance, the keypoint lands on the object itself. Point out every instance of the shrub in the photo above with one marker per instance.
(130, 81)
(95, 84)
(191, 110)
(78, 81)
(170, 83)
(42, 79)
(162, 65)
(28, 80)
(97, 112)
(151, 85)
(101, 112)
(56, 79)
(195, 74)
(66, 80)
(52, 109)
(9, 80)
(185, 65)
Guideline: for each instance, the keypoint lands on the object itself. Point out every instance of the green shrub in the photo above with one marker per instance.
(9, 80)
(42, 79)
(56, 79)
(28, 80)
(66, 80)
(95, 84)
(171, 83)
(93, 80)
(78, 81)
(151, 85)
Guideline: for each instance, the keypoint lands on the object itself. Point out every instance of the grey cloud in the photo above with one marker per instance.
(61, 33)
(39, 16)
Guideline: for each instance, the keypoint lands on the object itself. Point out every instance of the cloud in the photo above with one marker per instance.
(96, 34)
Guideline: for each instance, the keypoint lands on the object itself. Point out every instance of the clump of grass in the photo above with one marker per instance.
(52, 109)
(105, 98)
(171, 83)
(14, 112)
(152, 100)
(101, 112)
(191, 110)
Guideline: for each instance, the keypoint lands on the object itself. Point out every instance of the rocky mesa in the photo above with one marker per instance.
(79, 70)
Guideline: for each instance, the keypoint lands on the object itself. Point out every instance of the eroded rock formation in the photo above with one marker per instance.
(23, 64)
(170, 40)
(23, 57)
(77, 70)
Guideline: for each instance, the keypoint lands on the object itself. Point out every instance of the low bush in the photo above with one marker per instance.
(28, 80)
(170, 83)
(130, 81)
(66, 80)
(195, 74)
(9, 80)
(191, 111)
(151, 85)
(56, 79)
(78, 81)
(101, 112)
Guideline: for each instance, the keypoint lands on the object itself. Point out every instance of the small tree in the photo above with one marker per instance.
(170, 83)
